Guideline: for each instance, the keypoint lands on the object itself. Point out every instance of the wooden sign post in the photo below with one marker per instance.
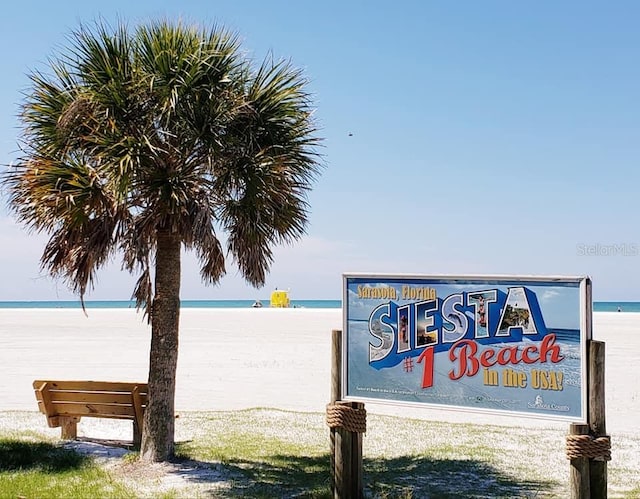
(597, 420)
(588, 446)
(347, 422)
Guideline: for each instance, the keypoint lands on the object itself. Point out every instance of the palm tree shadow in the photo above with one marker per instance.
(20, 455)
(286, 475)
(417, 476)
(406, 476)
(275, 476)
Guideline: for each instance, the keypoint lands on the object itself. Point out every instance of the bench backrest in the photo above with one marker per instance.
(104, 399)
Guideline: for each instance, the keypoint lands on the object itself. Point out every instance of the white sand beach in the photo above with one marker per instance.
(244, 358)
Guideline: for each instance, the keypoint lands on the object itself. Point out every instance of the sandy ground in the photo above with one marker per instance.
(242, 358)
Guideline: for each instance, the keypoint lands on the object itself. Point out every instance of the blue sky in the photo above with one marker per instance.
(487, 137)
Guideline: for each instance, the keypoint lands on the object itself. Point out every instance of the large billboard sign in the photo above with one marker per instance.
(488, 343)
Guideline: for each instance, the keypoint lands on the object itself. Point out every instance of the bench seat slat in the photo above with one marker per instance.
(92, 397)
(106, 386)
(94, 410)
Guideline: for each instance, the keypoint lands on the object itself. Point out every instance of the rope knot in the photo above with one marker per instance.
(597, 448)
(342, 415)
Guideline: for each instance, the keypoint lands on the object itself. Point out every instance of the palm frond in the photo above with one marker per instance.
(163, 128)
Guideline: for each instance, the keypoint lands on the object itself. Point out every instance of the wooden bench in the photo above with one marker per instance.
(65, 402)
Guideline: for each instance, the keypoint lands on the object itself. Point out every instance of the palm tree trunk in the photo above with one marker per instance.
(159, 416)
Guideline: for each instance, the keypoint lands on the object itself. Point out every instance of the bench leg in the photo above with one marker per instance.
(69, 427)
(137, 435)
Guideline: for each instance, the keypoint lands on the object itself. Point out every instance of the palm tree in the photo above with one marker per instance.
(141, 142)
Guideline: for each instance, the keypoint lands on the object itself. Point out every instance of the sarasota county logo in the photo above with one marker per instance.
(540, 404)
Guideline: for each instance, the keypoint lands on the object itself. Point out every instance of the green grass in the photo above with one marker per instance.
(41, 469)
(262, 464)
(295, 462)
(264, 453)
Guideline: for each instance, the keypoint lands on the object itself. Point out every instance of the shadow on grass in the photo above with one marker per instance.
(23, 455)
(283, 475)
(418, 476)
(399, 477)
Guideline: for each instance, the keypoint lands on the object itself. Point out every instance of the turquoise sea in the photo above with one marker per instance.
(598, 306)
(614, 306)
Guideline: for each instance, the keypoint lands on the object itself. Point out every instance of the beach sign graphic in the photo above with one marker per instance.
(514, 344)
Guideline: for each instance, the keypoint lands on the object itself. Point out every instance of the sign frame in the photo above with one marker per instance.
(470, 286)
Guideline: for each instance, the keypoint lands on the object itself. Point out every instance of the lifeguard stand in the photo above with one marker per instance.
(280, 299)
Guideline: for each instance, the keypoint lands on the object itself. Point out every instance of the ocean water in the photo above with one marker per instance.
(598, 306)
(615, 306)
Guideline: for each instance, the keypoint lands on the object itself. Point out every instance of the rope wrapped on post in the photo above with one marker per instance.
(598, 448)
(350, 418)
